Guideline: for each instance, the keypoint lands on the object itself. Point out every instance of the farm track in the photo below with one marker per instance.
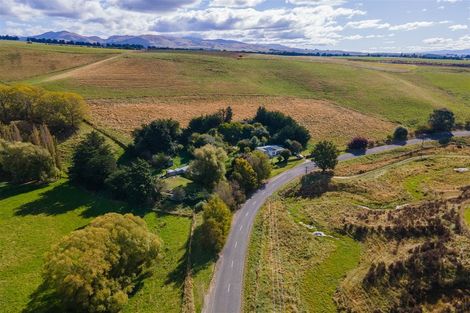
(79, 70)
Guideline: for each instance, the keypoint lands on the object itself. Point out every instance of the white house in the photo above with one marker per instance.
(271, 151)
(177, 171)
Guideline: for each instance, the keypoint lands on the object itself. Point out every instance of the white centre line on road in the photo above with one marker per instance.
(228, 288)
(241, 227)
(231, 265)
(254, 202)
(236, 244)
(246, 214)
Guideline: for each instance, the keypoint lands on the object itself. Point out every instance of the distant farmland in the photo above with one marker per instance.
(135, 87)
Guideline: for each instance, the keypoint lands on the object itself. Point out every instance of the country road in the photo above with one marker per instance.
(226, 291)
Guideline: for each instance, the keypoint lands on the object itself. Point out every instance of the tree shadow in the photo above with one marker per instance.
(399, 142)
(10, 190)
(43, 300)
(315, 184)
(201, 257)
(66, 197)
(357, 152)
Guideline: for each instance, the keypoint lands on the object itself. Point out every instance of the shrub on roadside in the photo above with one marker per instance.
(94, 269)
(400, 134)
(216, 225)
(358, 143)
(441, 120)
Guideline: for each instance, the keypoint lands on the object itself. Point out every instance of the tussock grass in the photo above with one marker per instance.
(318, 274)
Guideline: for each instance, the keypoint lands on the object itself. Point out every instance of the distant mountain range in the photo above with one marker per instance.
(159, 41)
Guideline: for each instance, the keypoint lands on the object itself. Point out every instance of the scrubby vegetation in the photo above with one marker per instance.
(383, 257)
(216, 225)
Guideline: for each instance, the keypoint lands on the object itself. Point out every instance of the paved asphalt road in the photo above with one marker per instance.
(225, 294)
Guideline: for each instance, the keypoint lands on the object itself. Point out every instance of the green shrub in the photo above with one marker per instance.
(216, 226)
(400, 133)
(358, 143)
(95, 268)
(441, 120)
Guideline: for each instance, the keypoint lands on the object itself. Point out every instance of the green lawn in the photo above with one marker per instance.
(321, 281)
(33, 218)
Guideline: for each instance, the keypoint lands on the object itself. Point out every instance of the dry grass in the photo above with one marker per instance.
(323, 119)
(376, 161)
(19, 62)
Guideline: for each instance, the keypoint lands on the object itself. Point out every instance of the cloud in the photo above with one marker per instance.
(448, 43)
(448, 1)
(458, 27)
(313, 25)
(236, 3)
(316, 2)
(411, 26)
(367, 24)
(155, 5)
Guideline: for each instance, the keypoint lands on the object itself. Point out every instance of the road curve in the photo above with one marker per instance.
(226, 291)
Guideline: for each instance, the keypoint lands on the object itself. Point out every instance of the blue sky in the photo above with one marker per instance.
(355, 25)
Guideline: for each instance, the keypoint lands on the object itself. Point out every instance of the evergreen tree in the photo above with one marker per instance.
(92, 162)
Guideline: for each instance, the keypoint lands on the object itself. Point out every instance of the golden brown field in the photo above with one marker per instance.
(323, 119)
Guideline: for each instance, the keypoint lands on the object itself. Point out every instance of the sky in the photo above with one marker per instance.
(352, 25)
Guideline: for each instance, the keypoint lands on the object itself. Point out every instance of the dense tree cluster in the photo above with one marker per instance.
(24, 162)
(94, 167)
(135, 183)
(94, 269)
(8, 37)
(160, 136)
(86, 43)
(61, 112)
(282, 127)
